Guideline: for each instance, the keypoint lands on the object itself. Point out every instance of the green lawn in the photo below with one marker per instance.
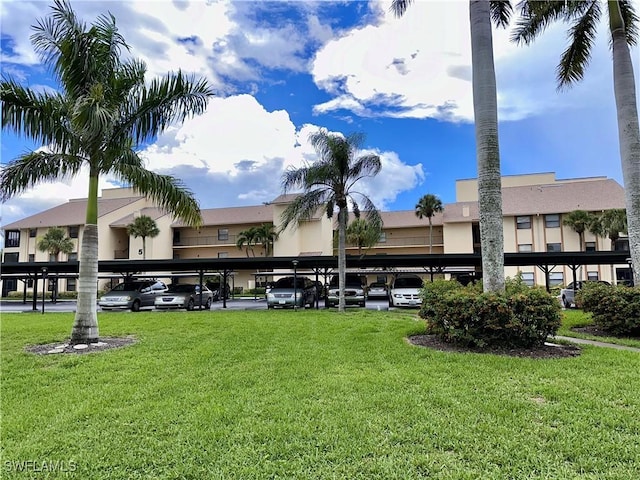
(578, 318)
(308, 395)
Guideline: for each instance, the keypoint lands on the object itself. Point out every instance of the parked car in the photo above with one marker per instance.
(354, 292)
(285, 294)
(216, 290)
(567, 293)
(184, 295)
(132, 295)
(405, 291)
(378, 290)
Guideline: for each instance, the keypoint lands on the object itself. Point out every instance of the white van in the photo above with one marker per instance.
(405, 291)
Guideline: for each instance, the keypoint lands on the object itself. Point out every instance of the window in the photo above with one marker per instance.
(528, 278)
(552, 221)
(523, 222)
(223, 254)
(10, 257)
(556, 278)
(593, 276)
(71, 284)
(176, 237)
(554, 247)
(223, 234)
(383, 237)
(590, 246)
(524, 247)
(73, 257)
(32, 257)
(73, 231)
(12, 238)
(622, 244)
(33, 232)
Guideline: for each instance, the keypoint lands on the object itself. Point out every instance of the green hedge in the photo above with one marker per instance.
(614, 308)
(521, 317)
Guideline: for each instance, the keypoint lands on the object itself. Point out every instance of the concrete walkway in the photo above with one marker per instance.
(595, 343)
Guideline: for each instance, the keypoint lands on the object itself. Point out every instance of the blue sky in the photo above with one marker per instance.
(283, 69)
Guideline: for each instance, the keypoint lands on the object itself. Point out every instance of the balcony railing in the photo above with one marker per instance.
(419, 241)
(204, 241)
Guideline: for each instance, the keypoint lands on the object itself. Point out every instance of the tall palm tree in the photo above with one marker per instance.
(584, 15)
(428, 206)
(143, 226)
(579, 221)
(103, 111)
(266, 235)
(55, 241)
(247, 240)
(485, 108)
(363, 234)
(329, 183)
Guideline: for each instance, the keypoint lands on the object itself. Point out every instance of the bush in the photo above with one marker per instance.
(615, 309)
(521, 317)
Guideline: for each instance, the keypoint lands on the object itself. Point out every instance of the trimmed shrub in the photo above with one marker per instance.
(521, 317)
(615, 309)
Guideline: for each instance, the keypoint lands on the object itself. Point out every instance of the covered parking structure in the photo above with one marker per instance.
(318, 265)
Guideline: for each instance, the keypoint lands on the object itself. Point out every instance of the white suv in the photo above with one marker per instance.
(405, 291)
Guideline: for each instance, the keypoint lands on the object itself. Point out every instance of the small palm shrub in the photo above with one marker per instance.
(615, 309)
(521, 317)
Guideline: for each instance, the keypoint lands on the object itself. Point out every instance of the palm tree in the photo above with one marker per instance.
(247, 240)
(55, 241)
(266, 235)
(583, 15)
(428, 206)
(329, 183)
(103, 111)
(143, 226)
(579, 221)
(614, 222)
(485, 108)
(363, 234)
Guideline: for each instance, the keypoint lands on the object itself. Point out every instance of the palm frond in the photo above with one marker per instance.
(166, 100)
(303, 207)
(168, 192)
(631, 21)
(399, 7)
(293, 178)
(575, 58)
(364, 166)
(501, 11)
(535, 17)
(35, 167)
(38, 116)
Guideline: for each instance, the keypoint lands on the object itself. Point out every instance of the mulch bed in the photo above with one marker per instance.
(599, 332)
(545, 351)
(105, 343)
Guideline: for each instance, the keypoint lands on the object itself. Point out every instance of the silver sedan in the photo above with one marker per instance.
(185, 295)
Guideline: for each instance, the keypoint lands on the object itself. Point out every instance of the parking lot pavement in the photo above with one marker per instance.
(232, 304)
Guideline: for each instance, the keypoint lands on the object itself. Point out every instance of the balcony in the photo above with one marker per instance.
(202, 241)
(419, 241)
(121, 254)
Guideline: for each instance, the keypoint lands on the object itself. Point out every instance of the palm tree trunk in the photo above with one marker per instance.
(85, 325)
(342, 257)
(485, 107)
(628, 131)
(144, 248)
(430, 238)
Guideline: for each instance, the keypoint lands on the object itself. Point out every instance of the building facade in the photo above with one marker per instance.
(534, 207)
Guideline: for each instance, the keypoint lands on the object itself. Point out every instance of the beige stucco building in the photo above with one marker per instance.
(533, 207)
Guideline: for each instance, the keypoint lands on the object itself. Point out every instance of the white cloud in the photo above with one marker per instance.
(419, 66)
